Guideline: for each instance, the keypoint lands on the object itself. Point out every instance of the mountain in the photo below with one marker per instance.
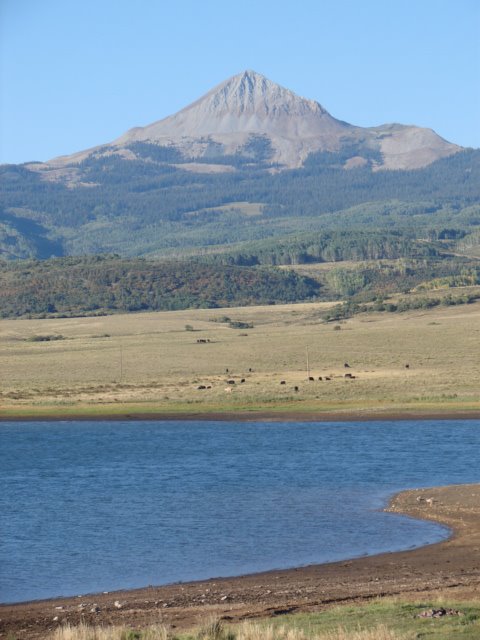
(246, 168)
(246, 109)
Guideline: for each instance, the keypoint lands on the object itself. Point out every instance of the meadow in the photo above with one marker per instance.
(156, 362)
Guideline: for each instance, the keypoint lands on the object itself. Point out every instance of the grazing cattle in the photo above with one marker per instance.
(407, 366)
(230, 381)
(201, 386)
(348, 375)
(228, 389)
(201, 341)
(311, 379)
(250, 370)
(295, 388)
(242, 380)
(282, 382)
(346, 365)
(226, 370)
(209, 386)
(320, 378)
(327, 378)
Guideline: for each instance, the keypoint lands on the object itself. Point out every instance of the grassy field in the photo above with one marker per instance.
(383, 620)
(153, 362)
(389, 619)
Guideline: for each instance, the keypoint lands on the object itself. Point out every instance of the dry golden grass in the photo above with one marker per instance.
(249, 631)
(149, 362)
(245, 631)
(86, 632)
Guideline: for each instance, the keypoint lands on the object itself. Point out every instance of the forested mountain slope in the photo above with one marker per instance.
(151, 206)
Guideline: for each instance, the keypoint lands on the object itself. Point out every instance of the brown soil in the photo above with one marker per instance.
(450, 568)
(254, 416)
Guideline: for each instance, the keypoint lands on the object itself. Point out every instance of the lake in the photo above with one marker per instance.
(98, 506)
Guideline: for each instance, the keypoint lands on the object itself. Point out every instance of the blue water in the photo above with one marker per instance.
(91, 506)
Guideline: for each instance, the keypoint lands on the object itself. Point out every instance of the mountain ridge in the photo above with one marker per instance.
(248, 104)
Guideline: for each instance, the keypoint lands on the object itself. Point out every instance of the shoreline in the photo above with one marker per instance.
(248, 416)
(451, 565)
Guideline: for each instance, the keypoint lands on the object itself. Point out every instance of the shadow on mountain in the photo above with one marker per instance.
(24, 238)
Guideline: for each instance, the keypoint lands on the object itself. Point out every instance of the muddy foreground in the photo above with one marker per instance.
(450, 569)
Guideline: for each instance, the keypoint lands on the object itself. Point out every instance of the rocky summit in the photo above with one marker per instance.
(249, 111)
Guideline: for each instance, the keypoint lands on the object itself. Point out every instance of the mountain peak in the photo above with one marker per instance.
(250, 92)
(247, 103)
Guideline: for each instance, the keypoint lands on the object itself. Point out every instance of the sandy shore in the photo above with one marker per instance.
(450, 568)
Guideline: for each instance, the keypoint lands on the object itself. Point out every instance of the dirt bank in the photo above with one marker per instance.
(244, 416)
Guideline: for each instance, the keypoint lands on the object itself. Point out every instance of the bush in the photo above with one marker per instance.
(236, 324)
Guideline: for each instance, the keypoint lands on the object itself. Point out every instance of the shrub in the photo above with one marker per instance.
(236, 324)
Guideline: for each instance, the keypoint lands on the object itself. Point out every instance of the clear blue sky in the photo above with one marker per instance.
(76, 73)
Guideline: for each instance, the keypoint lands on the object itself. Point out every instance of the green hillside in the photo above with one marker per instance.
(97, 285)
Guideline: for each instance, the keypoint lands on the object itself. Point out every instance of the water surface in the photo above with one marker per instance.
(92, 506)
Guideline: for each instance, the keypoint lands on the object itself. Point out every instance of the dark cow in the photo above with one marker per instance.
(311, 379)
(201, 386)
(242, 380)
(407, 366)
(282, 382)
(346, 365)
(320, 378)
(230, 381)
(295, 388)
